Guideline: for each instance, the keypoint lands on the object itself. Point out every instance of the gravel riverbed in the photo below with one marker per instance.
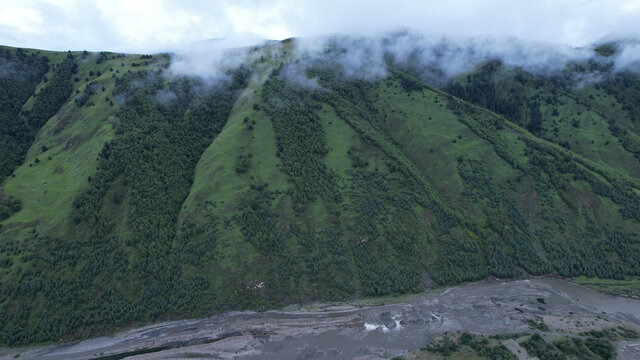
(362, 331)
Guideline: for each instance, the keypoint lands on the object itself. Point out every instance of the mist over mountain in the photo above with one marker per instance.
(436, 59)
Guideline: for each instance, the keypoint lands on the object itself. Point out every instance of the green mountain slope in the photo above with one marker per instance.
(147, 195)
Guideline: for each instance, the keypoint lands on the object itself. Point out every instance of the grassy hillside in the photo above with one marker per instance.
(148, 195)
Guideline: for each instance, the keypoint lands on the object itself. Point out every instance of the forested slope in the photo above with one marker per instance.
(146, 195)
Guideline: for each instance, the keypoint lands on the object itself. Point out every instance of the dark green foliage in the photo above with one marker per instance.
(589, 348)
(535, 125)
(335, 254)
(153, 156)
(379, 210)
(508, 92)
(480, 88)
(328, 260)
(553, 171)
(601, 347)
(19, 75)
(479, 345)
(409, 83)
(445, 347)
(625, 88)
(8, 206)
(300, 140)
(242, 163)
(54, 94)
(353, 102)
(258, 225)
(536, 346)
(150, 142)
(613, 334)
(571, 347)
(607, 49)
(461, 261)
(301, 146)
(537, 324)
(515, 246)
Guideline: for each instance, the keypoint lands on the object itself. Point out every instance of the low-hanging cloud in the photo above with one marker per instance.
(164, 97)
(452, 55)
(629, 57)
(211, 59)
(438, 38)
(296, 73)
(438, 59)
(435, 58)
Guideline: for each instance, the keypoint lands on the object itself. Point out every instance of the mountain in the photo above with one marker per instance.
(131, 193)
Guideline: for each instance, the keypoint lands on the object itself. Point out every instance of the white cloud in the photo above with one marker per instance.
(23, 20)
(155, 25)
(629, 58)
(212, 58)
(268, 21)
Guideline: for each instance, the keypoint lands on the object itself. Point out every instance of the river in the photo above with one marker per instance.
(359, 329)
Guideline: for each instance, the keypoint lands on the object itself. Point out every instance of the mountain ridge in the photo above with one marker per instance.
(149, 194)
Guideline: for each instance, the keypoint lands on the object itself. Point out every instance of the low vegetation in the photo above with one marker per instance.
(593, 345)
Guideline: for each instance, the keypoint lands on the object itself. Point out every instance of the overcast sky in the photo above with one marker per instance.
(158, 25)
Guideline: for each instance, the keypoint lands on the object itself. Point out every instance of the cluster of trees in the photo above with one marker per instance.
(89, 90)
(151, 161)
(78, 302)
(51, 98)
(627, 140)
(334, 252)
(328, 262)
(8, 206)
(555, 173)
(510, 243)
(242, 163)
(583, 255)
(509, 93)
(613, 255)
(155, 152)
(560, 168)
(480, 345)
(624, 86)
(300, 139)
(258, 224)
(18, 126)
(354, 102)
(502, 239)
(481, 88)
(383, 236)
(589, 348)
(20, 73)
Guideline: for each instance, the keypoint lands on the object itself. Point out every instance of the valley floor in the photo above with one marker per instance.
(369, 330)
